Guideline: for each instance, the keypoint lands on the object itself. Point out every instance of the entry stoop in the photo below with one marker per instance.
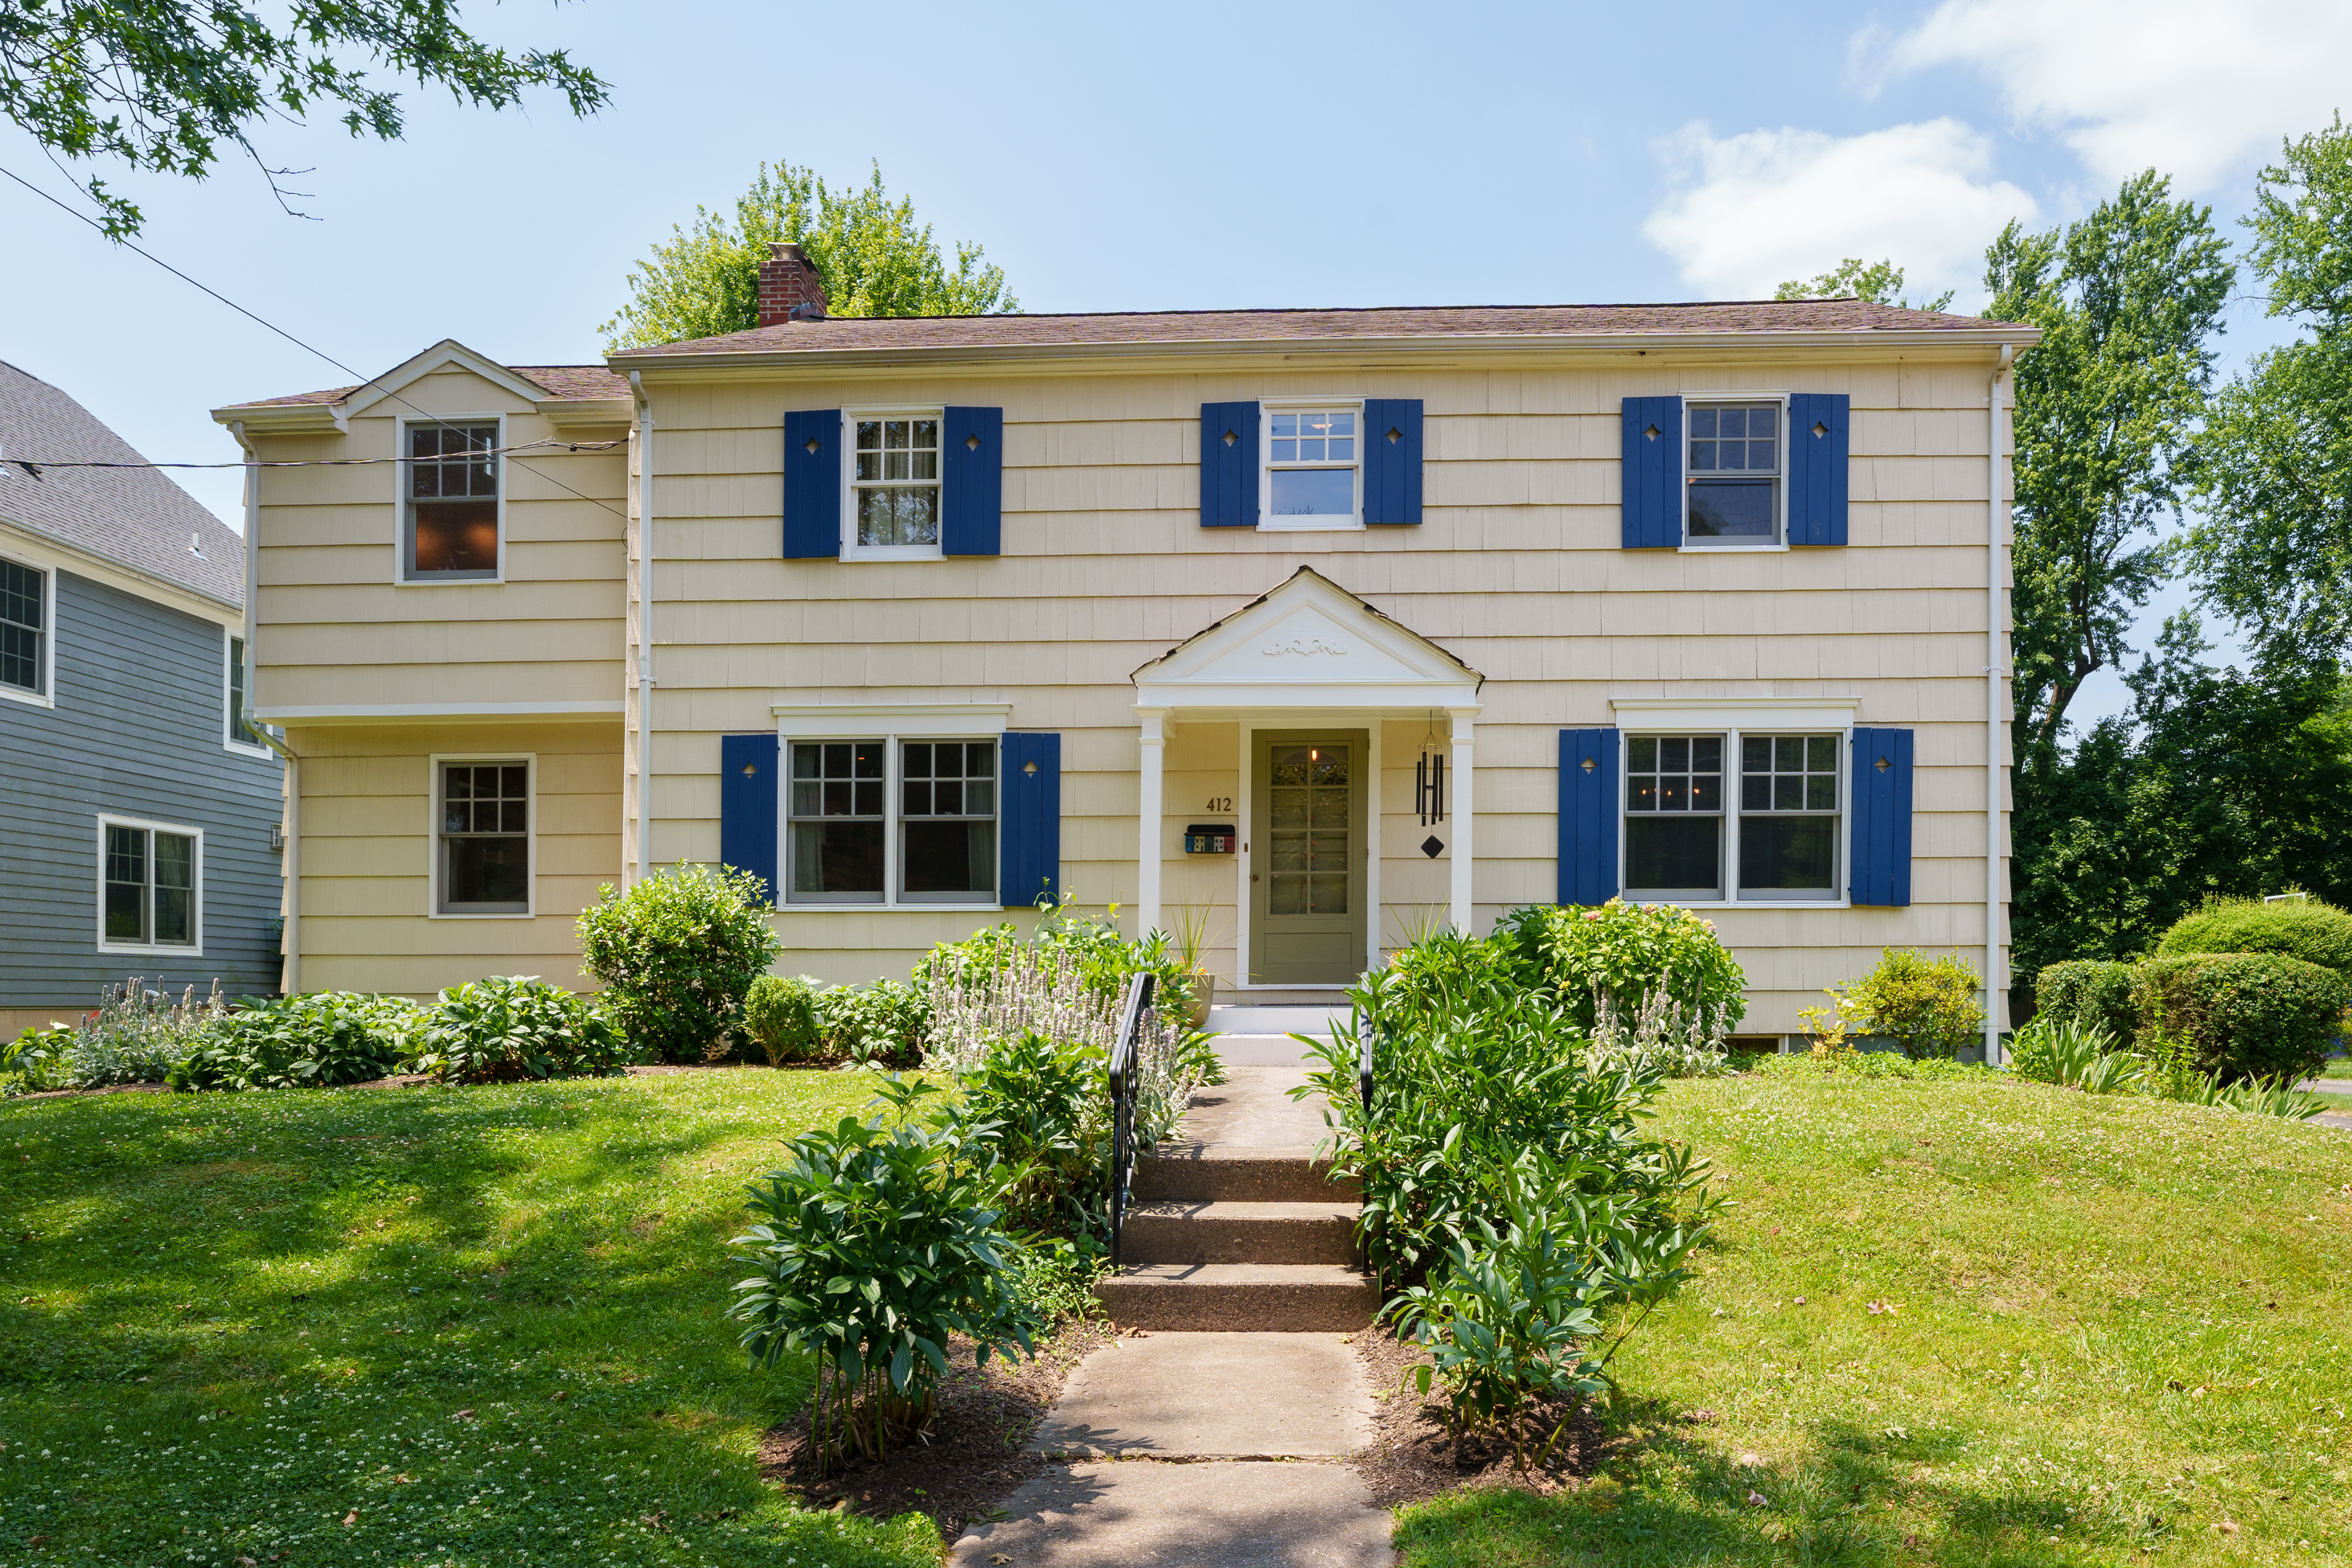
(1239, 1227)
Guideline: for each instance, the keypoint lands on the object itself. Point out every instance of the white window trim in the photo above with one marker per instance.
(1267, 521)
(404, 545)
(1779, 544)
(1784, 721)
(890, 723)
(230, 637)
(153, 949)
(850, 549)
(47, 696)
(433, 910)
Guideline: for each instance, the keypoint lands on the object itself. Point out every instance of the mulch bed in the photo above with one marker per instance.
(974, 1454)
(1412, 1458)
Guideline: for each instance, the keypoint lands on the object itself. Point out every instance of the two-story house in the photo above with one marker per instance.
(1328, 625)
(140, 808)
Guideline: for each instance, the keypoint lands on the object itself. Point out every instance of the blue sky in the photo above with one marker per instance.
(1126, 158)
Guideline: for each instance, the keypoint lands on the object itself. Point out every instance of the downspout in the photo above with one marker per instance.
(290, 975)
(1994, 706)
(645, 625)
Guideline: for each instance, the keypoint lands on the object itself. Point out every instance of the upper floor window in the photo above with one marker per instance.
(153, 885)
(449, 507)
(1312, 456)
(893, 484)
(1734, 474)
(242, 730)
(483, 853)
(24, 630)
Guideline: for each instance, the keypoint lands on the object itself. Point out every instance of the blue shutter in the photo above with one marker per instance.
(747, 801)
(813, 485)
(1882, 817)
(1588, 817)
(971, 481)
(1653, 473)
(1391, 460)
(1229, 465)
(1029, 820)
(1817, 465)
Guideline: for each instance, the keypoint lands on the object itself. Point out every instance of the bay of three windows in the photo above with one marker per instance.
(1778, 835)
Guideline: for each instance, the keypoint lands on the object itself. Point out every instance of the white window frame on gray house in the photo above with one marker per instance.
(892, 477)
(1279, 454)
(147, 942)
(42, 693)
(404, 569)
(240, 730)
(440, 906)
(1694, 479)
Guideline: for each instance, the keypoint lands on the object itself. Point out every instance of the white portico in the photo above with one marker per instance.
(1308, 674)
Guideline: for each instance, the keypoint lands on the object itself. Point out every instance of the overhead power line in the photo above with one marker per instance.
(33, 465)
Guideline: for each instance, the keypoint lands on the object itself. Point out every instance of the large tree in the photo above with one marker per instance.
(2129, 301)
(2274, 547)
(1881, 282)
(875, 260)
(163, 85)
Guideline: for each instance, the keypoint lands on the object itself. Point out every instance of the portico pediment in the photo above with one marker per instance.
(1308, 644)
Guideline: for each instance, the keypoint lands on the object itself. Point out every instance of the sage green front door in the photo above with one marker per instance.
(1306, 856)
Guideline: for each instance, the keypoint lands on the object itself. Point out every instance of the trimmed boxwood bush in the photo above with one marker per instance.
(2244, 1015)
(2089, 994)
(780, 1014)
(677, 953)
(2315, 932)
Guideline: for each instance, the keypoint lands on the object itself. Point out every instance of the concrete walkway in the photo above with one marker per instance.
(1221, 1449)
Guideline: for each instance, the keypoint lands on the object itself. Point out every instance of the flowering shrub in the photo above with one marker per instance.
(1627, 953)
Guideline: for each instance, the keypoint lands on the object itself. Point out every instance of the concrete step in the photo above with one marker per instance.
(1275, 1020)
(1177, 1232)
(1238, 1178)
(1262, 1298)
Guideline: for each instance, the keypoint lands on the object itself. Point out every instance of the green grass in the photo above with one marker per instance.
(2337, 1067)
(2120, 1325)
(484, 1324)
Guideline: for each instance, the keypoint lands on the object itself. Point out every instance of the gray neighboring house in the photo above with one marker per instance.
(139, 812)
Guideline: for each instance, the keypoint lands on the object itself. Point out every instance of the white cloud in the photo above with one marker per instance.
(1751, 210)
(2196, 89)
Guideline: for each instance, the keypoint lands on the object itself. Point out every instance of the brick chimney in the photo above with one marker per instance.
(790, 289)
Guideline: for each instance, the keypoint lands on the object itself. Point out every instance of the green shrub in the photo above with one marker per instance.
(513, 1027)
(1929, 1006)
(677, 953)
(1628, 953)
(881, 1024)
(2243, 1015)
(781, 1015)
(314, 1040)
(1102, 958)
(870, 1246)
(1033, 1113)
(2052, 1049)
(36, 1061)
(2090, 994)
(2313, 932)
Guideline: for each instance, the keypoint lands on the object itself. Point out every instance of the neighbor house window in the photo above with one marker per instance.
(151, 881)
(1311, 458)
(1673, 817)
(24, 623)
(450, 504)
(893, 484)
(1787, 817)
(241, 730)
(484, 839)
(1734, 474)
(882, 821)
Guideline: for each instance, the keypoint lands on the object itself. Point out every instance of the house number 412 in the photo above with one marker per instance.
(1220, 803)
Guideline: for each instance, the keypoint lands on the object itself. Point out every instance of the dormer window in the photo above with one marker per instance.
(450, 502)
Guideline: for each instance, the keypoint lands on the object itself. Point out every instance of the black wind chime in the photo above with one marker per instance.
(1429, 788)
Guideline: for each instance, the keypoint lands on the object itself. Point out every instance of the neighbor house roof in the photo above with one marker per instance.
(135, 517)
(561, 381)
(1497, 322)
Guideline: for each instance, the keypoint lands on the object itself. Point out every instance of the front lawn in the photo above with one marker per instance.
(2110, 1330)
(365, 1326)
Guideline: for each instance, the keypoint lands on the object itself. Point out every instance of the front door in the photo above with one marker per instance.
(1306, 856)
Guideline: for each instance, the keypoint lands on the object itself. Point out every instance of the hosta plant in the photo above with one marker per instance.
(315, 1041)
(513, 1027)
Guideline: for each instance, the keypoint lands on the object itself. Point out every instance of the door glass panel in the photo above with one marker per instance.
(1307, 789)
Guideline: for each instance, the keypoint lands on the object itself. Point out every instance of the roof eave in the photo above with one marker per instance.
(286, 418)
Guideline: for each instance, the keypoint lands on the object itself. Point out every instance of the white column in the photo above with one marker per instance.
(1147, 822)
(1461, 808)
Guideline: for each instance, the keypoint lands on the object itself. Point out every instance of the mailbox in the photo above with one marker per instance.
(1209, 839)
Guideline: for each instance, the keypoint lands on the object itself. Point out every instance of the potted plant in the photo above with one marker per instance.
(1191, 940)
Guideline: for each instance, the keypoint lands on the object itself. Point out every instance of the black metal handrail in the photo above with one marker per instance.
(1124, 1077)
(1371, 1040)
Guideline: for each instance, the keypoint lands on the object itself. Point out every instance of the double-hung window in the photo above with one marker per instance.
(1733, 477)
(24, 630)
(482, 839)
(891, 822)
(150, 880)
(1778, 840)
(1312, 461)
(449, 502)
(893, 484)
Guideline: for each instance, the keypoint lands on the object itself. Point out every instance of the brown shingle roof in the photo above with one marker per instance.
(560, 381)
(1142, 327)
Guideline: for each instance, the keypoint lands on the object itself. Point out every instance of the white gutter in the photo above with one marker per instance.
(1994, 706)
(645, 625)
